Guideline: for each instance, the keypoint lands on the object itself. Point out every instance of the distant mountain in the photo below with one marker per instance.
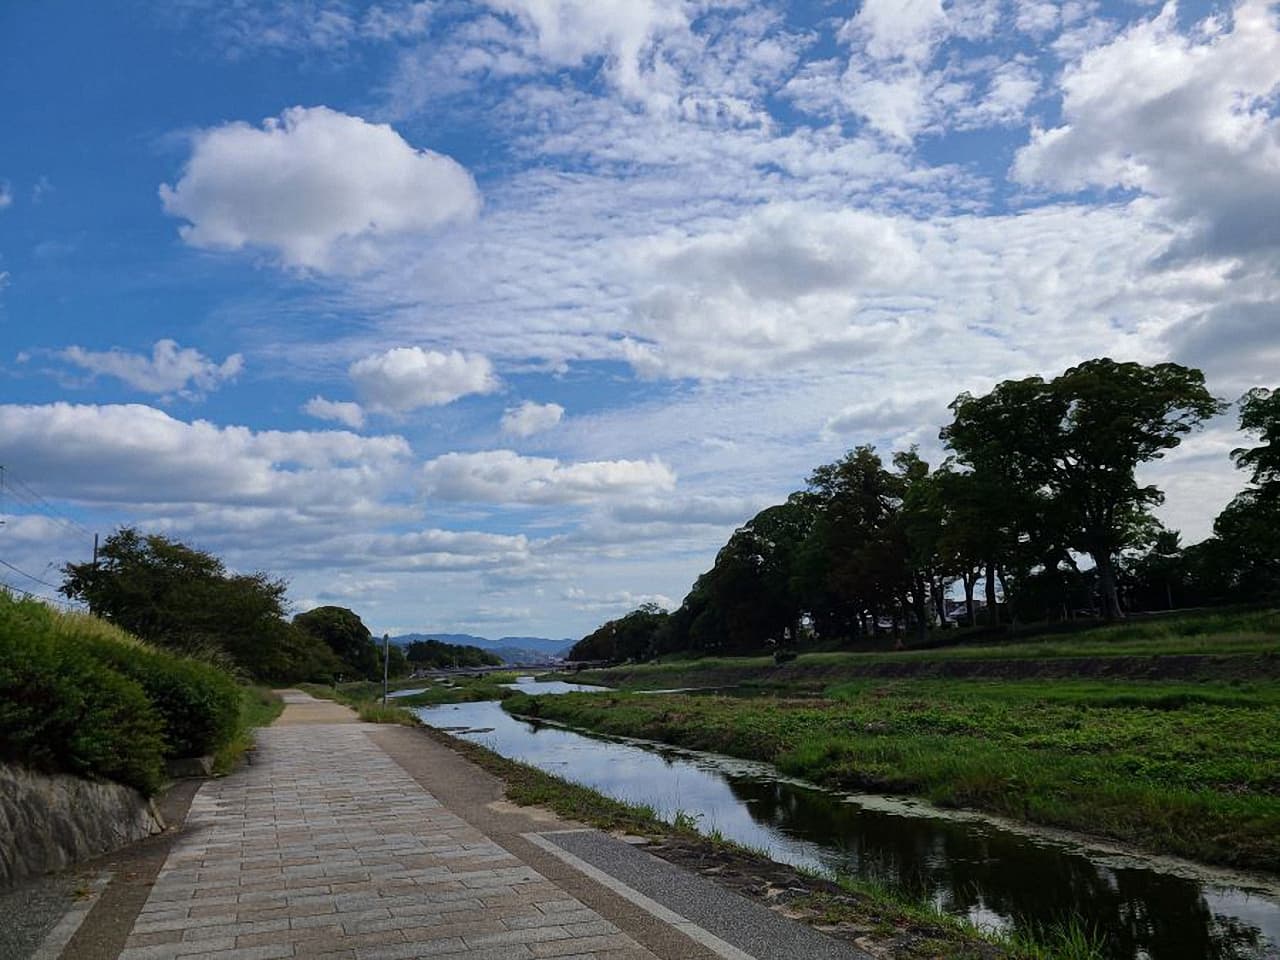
(551, 648)
(465, 639)
(510, 649)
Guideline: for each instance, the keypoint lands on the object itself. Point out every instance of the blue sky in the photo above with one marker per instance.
(498, 316)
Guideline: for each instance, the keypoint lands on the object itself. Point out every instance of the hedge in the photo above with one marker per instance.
(81, 696)
(200, 704)
(61, 711)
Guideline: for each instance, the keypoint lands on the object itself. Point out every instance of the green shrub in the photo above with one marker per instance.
(200, 704)
(62, 710)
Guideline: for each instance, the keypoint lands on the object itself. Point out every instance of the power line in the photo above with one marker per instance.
(43, 583)
(27, 594)
(21, 490)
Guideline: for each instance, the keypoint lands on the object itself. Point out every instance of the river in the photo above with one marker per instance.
(994, 874)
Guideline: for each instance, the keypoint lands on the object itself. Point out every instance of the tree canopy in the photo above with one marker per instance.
(176, 596)
(1041, 474)
(343, 632)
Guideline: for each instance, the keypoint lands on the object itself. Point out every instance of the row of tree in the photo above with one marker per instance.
(431, 653)
(178, 597)
(1038, 501)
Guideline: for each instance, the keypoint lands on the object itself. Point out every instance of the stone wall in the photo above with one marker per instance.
(50, 821)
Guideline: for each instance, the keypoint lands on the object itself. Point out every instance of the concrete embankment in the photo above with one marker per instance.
(50, 821)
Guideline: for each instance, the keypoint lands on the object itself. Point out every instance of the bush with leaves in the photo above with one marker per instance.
(62, 710)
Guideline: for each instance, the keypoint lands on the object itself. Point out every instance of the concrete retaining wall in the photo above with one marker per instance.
(50, 821)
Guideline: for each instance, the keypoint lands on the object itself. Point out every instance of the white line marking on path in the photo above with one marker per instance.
(665, 914)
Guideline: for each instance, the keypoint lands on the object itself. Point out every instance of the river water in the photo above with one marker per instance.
(993, 874)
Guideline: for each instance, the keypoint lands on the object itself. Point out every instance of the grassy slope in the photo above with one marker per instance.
(1229, 642)
(259, 707)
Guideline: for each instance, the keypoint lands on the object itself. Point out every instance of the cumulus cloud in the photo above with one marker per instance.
(505, 477)
(530, 418)
(340, 411)
(1237, 343)
(310, 181)
(1185, 116)
(408, 378)
(567, 32)
(779, 288)
(891, 29)
(170, 368)
(135, 454)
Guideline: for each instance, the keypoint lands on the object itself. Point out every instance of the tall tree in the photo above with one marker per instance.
(343, 632)
(1078, 440)
(173, 595)
(855, 560)
(1260, 415)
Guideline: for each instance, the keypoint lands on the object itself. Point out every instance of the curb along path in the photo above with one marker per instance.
(326, 847)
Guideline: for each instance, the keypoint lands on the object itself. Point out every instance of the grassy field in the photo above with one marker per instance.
(1185, 768)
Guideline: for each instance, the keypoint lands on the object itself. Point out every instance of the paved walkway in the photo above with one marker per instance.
(327, 847)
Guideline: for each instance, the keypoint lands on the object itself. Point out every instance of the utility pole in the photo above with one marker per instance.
(386, 658)
(95, 571)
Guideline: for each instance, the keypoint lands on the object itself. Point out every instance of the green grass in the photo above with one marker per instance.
(457, 689)
(259, 707)
(1188, 769)
(369, 709)
(1230, 641)
(377, 713)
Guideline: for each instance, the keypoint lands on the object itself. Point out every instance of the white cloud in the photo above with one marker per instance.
(134, 454)
(310, 183)
(505, 477)
(6, 194)
(873, 420)
(893, 29)
(344, 412)
(621, 601)
(780, 288)
(1037, 17)
(1188, 117)
(170, 369)
(567, 32)
(407, 378)
(530, 418)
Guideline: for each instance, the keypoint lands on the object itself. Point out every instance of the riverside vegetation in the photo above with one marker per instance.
(901, 926)
(1187, 766)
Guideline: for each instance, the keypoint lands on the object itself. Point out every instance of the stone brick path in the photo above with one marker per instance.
(326, 848)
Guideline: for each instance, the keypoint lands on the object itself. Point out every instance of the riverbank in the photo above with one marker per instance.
(886, 922)
(1205, 646)
(1186, 769)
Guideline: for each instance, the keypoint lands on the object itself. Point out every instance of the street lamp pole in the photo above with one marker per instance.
(386, 658)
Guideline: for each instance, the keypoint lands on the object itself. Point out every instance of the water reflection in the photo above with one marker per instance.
(967, 867)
